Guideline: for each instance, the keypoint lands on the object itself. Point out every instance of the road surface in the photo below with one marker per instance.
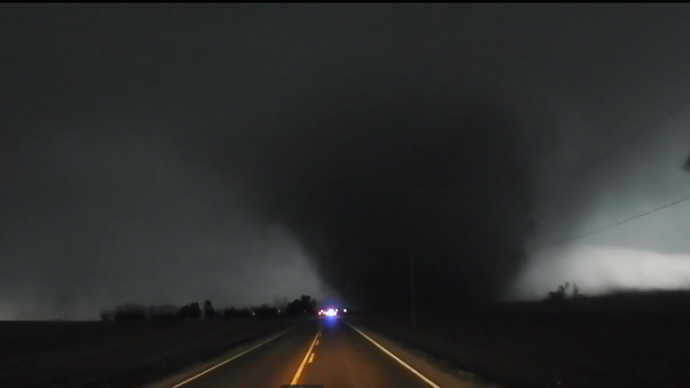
(326, 352)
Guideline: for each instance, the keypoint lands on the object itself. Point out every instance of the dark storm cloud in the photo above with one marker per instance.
(107, 195)
(376, 175)
(167, 152)
(398, 143)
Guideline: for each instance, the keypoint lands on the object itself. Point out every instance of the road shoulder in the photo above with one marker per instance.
(200, 368)
(434, 369)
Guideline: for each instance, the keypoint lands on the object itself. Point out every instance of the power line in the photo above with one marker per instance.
(584, 168)
(587, 166)
(611, 226)
(612, 151)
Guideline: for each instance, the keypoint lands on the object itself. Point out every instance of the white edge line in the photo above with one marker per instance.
(304, 361)
(403, 363)
(196, 376)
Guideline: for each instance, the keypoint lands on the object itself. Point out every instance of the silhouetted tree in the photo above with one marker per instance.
(294, 307)
(107, 315)
(562, 293)
(229, 312)
(302, 306)
(265, 311)
(557, 296)
(196, 311)
(209, 311)
(305, 305)
(190, 311)
(163, 312)
(232, 312)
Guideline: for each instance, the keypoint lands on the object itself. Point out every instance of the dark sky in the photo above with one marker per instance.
(169, 153)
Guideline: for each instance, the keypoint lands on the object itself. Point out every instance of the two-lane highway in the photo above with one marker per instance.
(326, 352)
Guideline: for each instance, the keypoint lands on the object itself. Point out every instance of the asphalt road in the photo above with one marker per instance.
(326, 352)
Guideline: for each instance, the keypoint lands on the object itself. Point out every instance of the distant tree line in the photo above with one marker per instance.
(561, 294)
(302, 306)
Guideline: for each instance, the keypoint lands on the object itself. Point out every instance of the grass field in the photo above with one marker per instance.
(626, 340)
(116, 354)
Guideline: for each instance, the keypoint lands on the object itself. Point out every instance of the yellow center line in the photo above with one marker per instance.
(304, 361)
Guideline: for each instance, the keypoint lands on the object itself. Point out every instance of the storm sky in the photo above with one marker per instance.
(171, 153)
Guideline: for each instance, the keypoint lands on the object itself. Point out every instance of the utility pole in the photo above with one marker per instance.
(413, 311)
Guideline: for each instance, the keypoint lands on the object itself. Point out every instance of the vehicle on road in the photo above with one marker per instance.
(328, 313)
